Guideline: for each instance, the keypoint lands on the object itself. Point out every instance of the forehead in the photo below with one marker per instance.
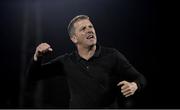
(82, 22)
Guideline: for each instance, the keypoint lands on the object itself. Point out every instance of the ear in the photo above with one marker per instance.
(74, 39)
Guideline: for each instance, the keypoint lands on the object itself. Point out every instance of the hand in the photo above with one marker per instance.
(41, 49)
(128, 88)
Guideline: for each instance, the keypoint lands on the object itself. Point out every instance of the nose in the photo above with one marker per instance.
(89, 30)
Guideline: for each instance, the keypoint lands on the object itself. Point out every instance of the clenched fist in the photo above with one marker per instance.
(128, 88)
(41, 49)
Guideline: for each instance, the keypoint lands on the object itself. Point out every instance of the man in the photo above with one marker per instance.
(95, 74)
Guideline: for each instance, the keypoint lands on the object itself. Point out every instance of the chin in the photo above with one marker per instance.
(94, 43)
(91, 45)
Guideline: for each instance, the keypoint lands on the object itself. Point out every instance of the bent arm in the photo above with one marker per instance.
(38, 71)
(127, 72)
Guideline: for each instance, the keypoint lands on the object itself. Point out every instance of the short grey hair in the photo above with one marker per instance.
(71, 29)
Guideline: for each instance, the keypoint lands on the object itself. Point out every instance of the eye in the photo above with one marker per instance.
(83, 28)
(90, 26)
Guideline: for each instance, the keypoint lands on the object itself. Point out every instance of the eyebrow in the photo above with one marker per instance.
(90, 26)
(83, 27)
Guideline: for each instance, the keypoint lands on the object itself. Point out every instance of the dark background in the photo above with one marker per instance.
(137, 28)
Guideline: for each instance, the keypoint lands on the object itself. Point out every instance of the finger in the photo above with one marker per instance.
(44, 49)
(45, 44)
(125, 86)
(121, 83)
(125, 90)
(128, 93)
(40, 49)
(50, 49)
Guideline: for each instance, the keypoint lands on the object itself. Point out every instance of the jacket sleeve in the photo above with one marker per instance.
(37, 70)
(127, 72)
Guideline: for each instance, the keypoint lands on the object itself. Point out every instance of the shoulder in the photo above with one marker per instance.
(109, 50)
(113, 52)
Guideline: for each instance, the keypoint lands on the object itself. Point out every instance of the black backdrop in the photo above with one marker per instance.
(133, 27)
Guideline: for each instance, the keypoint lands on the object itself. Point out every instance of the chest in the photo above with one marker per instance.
(99, 70)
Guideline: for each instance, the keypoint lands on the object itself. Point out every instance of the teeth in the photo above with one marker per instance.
(90, 36)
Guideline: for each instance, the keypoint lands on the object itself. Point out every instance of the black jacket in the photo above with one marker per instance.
(92, 83)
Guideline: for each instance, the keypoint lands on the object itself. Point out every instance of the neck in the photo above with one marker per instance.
(86, 52)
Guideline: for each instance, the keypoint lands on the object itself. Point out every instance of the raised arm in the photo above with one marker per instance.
(37, 70)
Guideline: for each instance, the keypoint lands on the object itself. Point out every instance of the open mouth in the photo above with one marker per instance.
(90, 36)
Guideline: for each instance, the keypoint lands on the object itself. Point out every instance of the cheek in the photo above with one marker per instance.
(82, 35)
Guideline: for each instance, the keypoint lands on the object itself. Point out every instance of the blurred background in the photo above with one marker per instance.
(137, 28)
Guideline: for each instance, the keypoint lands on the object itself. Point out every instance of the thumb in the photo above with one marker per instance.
(122, 83)
(50, 49)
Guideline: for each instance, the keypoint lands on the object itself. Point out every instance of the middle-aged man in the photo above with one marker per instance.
(95, 74)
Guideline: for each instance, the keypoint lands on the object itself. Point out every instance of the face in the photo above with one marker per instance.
(84, 34)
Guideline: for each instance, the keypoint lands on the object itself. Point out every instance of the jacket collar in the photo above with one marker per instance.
(96, 54)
